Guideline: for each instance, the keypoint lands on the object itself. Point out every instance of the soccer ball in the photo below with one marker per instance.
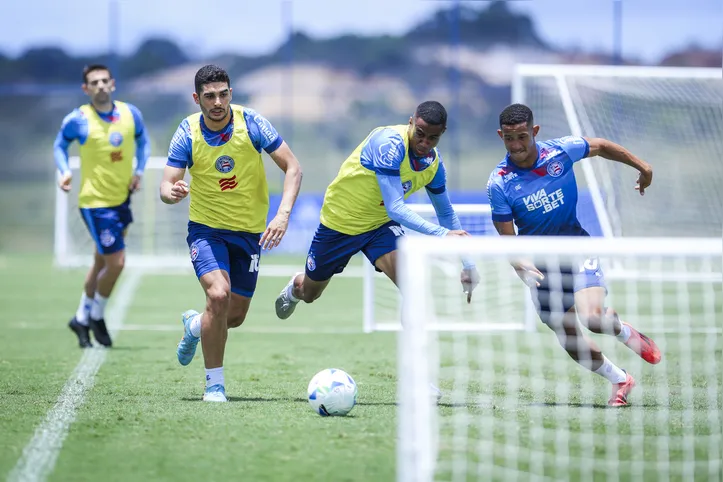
(332, 392)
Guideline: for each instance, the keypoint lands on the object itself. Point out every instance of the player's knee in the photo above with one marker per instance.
(217, 297)
(115, 262)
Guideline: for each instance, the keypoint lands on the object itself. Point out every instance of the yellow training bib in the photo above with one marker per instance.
(228, 182)
(106, 158)
(353, 202)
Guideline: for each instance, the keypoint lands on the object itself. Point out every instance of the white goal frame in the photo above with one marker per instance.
(609, 225)
(416, 351)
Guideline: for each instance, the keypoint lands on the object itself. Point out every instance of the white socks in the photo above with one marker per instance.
(81, 315)
(97, 310)
(611, 372)
(290, 290)
(624, 334)
(196, 326)
(214, 376)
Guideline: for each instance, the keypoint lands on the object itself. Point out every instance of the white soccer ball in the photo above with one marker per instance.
(332, 392)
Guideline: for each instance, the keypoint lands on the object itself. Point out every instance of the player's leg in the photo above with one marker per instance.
(329, 253)
(590, 293)
(554, 300)
(244, 259)
(79, 323)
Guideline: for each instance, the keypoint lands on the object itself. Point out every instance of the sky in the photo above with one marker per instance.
(651, 28)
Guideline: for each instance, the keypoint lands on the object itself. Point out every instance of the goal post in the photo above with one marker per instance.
(516, 407)
(382, 301)
(670, 116)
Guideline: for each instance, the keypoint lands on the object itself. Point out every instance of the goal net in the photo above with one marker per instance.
(382, 300)
(671, 117)
(516, 407)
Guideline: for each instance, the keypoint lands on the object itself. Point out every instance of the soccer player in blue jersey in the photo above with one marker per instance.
(221, 148)
(534, 188)
(364, 209)
(110, 134)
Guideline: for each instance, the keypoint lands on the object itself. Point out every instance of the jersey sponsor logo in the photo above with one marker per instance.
(193, 252)
(225, 164)
(228, 183)
(115, 139)
(544, 201)
(509, 176)
(106, 238)
(389, 152)
(546, 153)
(406, 186)
(310, 263)
(555, 168)
(573, 140)
(265, 128)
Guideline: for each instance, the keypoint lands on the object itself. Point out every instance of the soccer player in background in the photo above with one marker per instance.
(221, 148)
(534, 187)
(364, 210)
(110, 134)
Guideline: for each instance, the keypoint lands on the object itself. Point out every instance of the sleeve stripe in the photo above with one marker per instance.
(274, 145)
(502, 218)
(436, 190)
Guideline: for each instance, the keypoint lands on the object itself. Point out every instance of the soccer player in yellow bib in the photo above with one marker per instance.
(110, 135)
(221, 148)
(364, 208)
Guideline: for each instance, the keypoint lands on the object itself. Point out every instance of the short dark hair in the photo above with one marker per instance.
(92, 68)
(516, 114)
(432, 112)
(208, 74)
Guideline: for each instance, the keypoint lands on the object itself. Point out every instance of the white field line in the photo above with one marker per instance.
(40, 454)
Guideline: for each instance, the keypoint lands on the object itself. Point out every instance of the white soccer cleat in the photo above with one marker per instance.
(215, 393)
(285, 306)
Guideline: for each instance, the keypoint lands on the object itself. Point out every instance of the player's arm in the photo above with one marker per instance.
(503, 221)
(173, 187)
(143, 147)
(615, 152)
(69, 131)
(287, 162)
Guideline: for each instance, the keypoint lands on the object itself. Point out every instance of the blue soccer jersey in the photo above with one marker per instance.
(541, 200)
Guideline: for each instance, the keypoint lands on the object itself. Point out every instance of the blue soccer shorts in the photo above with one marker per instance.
(331, 250)
(556, 294)
(106, 226)
(238, 253)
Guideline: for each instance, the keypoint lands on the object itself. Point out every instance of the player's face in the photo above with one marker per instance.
(519, 141)
(215, 101)
(98, 86)
(423, 137)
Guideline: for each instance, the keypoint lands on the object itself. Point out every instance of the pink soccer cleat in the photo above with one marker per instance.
(621, 392)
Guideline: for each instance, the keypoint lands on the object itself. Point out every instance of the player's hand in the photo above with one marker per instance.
(65, 182)
(470, 280)
(179, 191)
(135, 183)
(644, 180)
(274, 231)
(528, 273)
(458, 232)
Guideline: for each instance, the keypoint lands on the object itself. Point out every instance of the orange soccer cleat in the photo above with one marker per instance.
(621, 392)
(643, 346)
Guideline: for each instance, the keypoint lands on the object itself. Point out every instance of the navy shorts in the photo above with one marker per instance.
(106, 226)
(235, 252)
(556, 294)
(331, 250)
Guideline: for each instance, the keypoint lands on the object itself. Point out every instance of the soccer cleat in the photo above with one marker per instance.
(621, 392)
(643, 346)
(100, 332)
(82, 332)
(285, 306)
(187, 346)
(215, 393)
